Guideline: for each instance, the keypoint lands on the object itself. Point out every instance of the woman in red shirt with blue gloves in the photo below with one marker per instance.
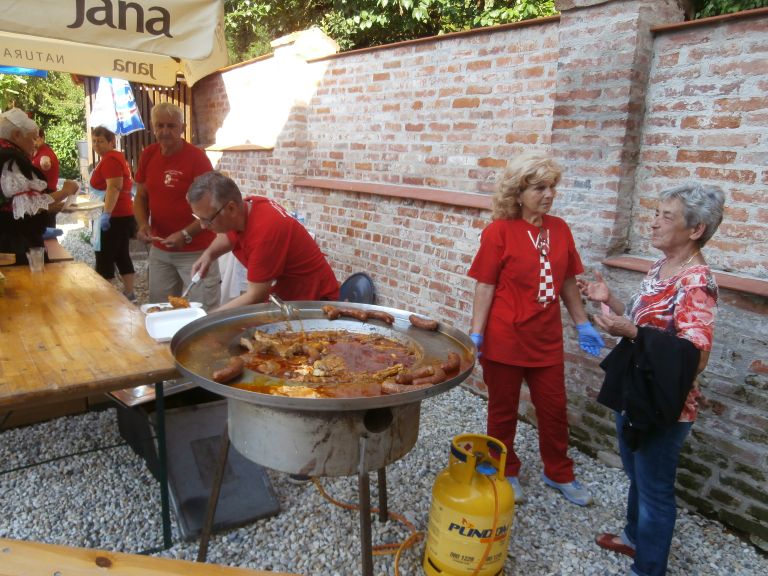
(526, 263)
(117, 222)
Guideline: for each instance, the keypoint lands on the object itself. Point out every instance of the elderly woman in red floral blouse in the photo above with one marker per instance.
(651, 374)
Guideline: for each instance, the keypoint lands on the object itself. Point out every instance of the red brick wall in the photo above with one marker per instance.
(439, 114)
(627, 111)
(706, 120)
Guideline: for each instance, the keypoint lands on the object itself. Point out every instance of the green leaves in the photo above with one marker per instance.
(251, 24)
(705, 8)
(57, 105)
(360, 23)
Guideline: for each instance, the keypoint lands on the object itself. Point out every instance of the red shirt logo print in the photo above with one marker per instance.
(171, 178)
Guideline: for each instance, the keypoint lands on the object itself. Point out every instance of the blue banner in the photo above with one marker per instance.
(115, 107)
(23, 71)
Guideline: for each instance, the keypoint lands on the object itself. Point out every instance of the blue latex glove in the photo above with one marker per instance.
(478, 340)
(104, 221)
(589, 339)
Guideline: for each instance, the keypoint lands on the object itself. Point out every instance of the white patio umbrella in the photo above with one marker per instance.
(142, 41)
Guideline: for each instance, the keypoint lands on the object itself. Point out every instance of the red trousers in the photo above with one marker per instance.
(547, 388)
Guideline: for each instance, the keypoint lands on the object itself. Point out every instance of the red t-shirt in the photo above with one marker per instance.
(167, 179)
(275, 246)
(520, 331)
(113, 165)
(52, 174)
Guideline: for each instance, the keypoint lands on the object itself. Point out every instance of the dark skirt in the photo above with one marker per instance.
(18, 236)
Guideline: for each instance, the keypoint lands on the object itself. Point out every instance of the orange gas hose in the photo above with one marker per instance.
(493, 528)
(380, 549)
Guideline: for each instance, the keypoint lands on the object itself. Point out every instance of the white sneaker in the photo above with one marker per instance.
(517, 489)
(573, 491)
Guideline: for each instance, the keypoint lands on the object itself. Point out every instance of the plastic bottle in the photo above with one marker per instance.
(300, 213)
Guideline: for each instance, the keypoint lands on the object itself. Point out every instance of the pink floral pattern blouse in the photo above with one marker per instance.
(683, 305)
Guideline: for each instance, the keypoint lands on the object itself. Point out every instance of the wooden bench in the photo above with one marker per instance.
(18, 558)
(57, 252)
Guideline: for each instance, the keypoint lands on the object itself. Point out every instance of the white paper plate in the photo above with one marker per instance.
(166, 307)
(163, 326)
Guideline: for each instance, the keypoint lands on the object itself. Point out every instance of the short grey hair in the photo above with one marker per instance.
(702, 204)
(16, 119)
(167, 109)
(222, 189)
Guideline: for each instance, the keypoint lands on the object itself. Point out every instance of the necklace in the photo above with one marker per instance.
(684, 264)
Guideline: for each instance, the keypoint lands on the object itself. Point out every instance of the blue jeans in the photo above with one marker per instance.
(651, 508)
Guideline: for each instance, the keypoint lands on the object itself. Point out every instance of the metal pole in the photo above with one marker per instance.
(165, 509)
(364, 491)
(213, 500)
(383, 510)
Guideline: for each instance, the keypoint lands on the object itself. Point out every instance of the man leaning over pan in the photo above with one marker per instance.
(279, 254)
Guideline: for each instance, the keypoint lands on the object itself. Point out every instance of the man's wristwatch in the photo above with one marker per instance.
(187, 236)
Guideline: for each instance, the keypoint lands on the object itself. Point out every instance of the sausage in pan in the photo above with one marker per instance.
(436, 378)
(393, 388)
(231, 371)
(452, 363)
(423, 323)
(381, 315)
(330, 311)
(408, 376)
(361, 315)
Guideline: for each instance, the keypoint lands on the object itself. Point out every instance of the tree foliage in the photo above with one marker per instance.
(56, 103)
(705, 8)
(252, 24)
(362, 23)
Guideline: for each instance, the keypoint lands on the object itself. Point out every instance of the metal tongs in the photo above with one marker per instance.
(289, 311)
(195, 280)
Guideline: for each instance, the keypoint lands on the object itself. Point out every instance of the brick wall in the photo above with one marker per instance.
(392, 135)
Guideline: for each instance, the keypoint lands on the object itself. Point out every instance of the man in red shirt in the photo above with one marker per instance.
(166, 169)
(278, 252)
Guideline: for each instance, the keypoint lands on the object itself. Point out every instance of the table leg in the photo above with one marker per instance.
(364, 490)
(383, 507)
(163, 464)
(213, 500)
(5, 418)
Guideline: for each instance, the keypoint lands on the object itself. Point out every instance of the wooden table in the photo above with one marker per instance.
(34, 559)
(67, 333)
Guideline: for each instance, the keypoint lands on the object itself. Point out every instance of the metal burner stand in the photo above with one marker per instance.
(364, 498)
(315, 436)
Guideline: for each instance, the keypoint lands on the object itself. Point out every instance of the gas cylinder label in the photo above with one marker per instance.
(461, 540)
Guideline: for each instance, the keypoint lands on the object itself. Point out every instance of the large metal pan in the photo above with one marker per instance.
(206, 345)
(315, 436)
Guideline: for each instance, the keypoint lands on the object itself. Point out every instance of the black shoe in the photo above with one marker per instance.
(299, 479)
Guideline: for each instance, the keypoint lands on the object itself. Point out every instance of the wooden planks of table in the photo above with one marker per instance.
(19, 558)
(66, 333)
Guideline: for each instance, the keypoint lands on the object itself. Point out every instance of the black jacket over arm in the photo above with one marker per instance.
(648, 380)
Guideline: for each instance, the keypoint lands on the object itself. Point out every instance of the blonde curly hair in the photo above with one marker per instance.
(527, 169)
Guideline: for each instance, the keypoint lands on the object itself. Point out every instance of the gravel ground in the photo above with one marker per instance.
(73, 481)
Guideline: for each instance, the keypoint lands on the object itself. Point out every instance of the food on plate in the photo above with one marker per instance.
(333, 364)
(174, 303)
(423, 323)
(178, 302)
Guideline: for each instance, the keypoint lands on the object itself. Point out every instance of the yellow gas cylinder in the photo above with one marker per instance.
(470, 519)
